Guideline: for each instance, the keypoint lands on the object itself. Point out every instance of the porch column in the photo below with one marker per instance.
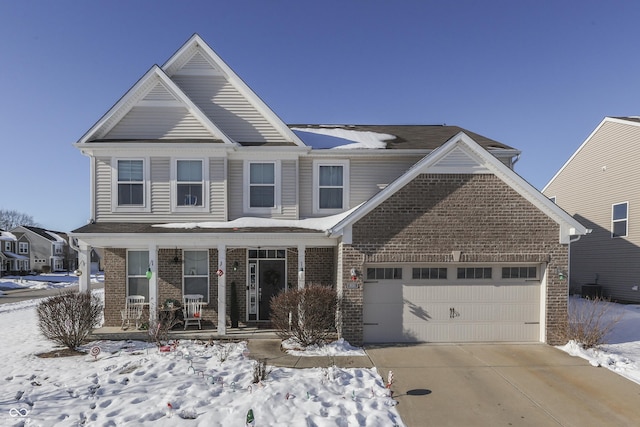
(222, 290)
(153, 282)
(84, 266)
(301, 266)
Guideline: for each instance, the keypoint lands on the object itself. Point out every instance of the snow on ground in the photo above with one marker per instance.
(195, 384)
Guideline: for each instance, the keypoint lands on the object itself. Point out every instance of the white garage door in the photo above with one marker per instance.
(452, 309)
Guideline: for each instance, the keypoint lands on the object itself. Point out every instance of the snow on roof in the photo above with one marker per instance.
(55, 237)
(5, 235)
(321, 224)
(340, 138)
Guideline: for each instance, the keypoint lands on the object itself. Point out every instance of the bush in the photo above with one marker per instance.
(590, 320)
(308, 315)
(69, 317)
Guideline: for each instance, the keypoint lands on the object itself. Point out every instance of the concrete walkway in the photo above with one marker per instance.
(271, 351)
(504, 385)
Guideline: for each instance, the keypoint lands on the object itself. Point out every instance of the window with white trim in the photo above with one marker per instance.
(130, 182)
(7, 246)
(196, 273)
(137, 266)
(331, 185)
(189, 183)
(262, 186)
(23, 248)
(619, 219)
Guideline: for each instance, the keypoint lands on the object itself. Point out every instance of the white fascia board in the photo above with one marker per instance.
(152, 148)
(204, 240)
(124, 105)
(494, 165)
(238, 83)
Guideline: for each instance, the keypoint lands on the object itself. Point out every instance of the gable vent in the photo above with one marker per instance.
(198, 65)
(456, 161)
(159, 93)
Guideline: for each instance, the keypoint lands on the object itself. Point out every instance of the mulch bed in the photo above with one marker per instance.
(61, 352)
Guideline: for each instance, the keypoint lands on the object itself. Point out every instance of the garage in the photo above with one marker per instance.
(460, 303)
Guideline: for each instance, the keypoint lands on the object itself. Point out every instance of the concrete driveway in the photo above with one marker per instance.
(504, 385)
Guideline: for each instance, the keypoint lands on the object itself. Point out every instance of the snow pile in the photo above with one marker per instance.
(338, 137)
(336, 348)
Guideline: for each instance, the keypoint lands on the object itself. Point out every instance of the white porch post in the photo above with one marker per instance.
(301, 266)
(222, 290)
(84, 265)
(153, 282)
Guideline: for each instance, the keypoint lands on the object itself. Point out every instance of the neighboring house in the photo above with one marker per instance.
(598, 185)
(10, 261)
(45, 248)
(426, 232)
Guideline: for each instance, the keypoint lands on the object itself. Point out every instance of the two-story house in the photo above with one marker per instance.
(10, 261)
(597, 185)
(45, 249)
(426, 232)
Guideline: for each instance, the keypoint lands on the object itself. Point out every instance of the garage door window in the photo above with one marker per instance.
(519, 272)
(384, 273)
(474, 273)
(429, 273)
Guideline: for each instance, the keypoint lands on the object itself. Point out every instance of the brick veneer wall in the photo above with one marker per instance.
(115, 284)
(436, 214)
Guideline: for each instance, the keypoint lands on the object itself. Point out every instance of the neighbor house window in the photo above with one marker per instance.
(330, 185)
(384, 273)
(262, 192)
(23, 247)
(474, 273)
(620, 218)
(189, 183)
(429, 273)
(196, 273)
(7, 246)
(519, 272)
(137, 266)
(130, 182)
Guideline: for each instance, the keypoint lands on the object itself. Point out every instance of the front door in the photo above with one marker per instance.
(267, 277)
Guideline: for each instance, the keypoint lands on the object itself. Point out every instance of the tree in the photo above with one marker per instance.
(11, 218)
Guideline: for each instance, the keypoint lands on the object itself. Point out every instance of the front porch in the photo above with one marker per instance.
(208, 332)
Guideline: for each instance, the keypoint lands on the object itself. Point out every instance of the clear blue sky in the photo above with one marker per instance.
(536, 75)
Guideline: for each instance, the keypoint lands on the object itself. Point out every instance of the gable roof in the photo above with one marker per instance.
(209, 101)
(461, 154)
(54, 236)
(632, 121)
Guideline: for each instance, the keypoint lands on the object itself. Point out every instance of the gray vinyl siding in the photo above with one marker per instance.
(236, 189)
(160, 186)
(103, 188)
(218, 189)
(159, 123)
(604, 172)
(228, 108)
(364, 176)
(289, 190)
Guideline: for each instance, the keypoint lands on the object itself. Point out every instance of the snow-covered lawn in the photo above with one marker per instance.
(195, 384)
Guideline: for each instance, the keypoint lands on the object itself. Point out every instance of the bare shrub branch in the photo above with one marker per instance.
(69, 318)
(308, 315)
(590, 320)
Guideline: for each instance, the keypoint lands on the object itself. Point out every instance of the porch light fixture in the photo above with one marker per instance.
(235, 266)
(176, 258)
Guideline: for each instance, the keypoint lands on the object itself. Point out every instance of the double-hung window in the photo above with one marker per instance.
(619, 219)
(23, 248)
(262, 193)
(137, 266)
(331, 180)
(196, 273)
(130, 182)
(189, 183)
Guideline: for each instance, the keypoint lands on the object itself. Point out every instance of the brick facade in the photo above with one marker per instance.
(435, 214)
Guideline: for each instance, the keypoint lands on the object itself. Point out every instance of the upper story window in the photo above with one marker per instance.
(57, 249)
(619, 219)
(130, 182)
(262, 191)
(189, 183)
(331, 185)
(23, 247)
(7, 246)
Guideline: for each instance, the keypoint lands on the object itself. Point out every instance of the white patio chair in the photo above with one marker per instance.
(132, 310)
(192, 309)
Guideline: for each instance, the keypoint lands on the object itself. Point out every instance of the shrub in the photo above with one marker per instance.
(590, 320)
(308, 315)
(260, 371)
(160, 327)
(69, 318)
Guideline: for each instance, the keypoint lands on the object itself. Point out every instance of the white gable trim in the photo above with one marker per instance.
(586, 141)
(486, 163)
(185, 53)
(136, 95)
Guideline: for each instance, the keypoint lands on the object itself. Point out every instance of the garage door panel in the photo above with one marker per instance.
(451, 311)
